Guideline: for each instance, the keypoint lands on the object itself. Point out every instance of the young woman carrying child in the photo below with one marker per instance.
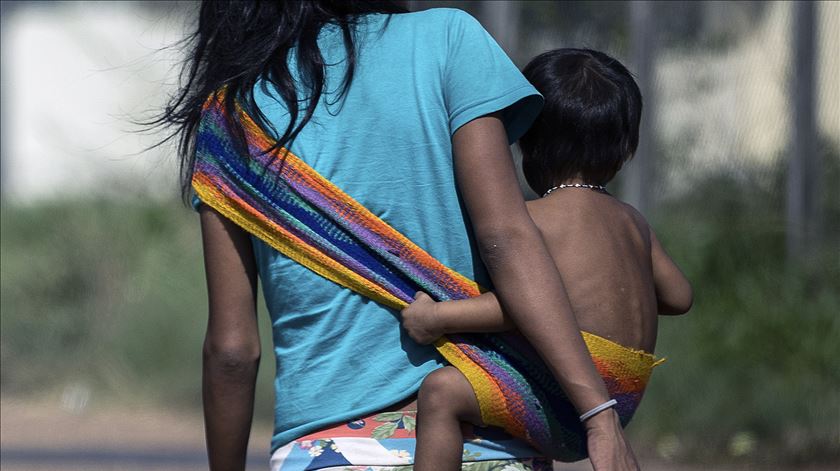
(615, 271)
(291, 114)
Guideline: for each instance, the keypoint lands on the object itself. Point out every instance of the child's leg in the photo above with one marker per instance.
(445, 400)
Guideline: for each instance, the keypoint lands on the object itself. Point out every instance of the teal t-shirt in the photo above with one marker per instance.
(387, 143)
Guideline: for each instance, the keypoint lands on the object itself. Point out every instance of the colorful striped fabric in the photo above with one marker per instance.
(387, 441)
(280, 199)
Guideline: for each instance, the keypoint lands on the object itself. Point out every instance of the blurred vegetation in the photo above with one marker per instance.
(752, 371)
(110, 295)
(604, 25)
(106, 297)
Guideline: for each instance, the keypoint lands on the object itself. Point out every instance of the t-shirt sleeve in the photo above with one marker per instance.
(480, 79)
(195, 201)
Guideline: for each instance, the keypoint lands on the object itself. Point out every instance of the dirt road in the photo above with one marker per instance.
(48, 435)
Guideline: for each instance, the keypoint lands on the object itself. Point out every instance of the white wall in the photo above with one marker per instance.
(75, 77)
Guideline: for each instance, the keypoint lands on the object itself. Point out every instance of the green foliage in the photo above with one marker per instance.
(103, 294)
(752, 371)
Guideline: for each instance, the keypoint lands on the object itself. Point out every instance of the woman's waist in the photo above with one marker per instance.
(313, 398)
(388, 438)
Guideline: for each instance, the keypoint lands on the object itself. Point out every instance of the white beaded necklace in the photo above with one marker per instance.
(575, 185)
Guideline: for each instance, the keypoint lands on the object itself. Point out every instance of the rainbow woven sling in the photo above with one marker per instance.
(280, 199)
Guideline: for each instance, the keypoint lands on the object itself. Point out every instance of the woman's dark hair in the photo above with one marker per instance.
(237, 43)
(589, 125)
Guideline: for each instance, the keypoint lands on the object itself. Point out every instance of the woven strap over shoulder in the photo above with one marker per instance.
(277, 197)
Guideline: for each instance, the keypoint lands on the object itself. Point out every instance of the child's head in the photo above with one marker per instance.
(589, 125)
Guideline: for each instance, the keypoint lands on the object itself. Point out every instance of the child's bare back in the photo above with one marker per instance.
(602, 250)
(616, 275)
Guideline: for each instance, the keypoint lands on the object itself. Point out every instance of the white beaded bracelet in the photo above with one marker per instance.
(596, 409)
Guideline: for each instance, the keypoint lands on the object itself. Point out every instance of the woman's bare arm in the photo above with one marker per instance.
(527, 283)
(232, 343)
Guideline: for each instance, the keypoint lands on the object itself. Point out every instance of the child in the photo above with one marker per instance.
(617, 276)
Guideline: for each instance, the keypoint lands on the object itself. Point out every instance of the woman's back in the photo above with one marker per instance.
(387, 143)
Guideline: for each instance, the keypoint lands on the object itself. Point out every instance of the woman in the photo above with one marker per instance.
(411, 115)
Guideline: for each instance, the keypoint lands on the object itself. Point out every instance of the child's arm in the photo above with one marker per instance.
(426, 320)
(673, 291)
(527, 282)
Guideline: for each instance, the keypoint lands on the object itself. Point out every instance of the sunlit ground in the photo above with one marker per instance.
(51, 434)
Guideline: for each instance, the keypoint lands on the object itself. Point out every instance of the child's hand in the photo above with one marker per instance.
(420, 319)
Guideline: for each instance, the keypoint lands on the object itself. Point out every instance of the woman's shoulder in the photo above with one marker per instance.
(438, 29)
(444, 14)
(440, 17)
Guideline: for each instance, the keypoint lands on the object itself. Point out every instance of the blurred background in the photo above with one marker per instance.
(102, 297)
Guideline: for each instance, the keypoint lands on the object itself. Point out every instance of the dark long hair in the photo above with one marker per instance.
(237, 43)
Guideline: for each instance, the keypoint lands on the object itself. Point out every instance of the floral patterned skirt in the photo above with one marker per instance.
(386, 441)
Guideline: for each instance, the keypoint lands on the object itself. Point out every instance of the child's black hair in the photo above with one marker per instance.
(589, 125)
